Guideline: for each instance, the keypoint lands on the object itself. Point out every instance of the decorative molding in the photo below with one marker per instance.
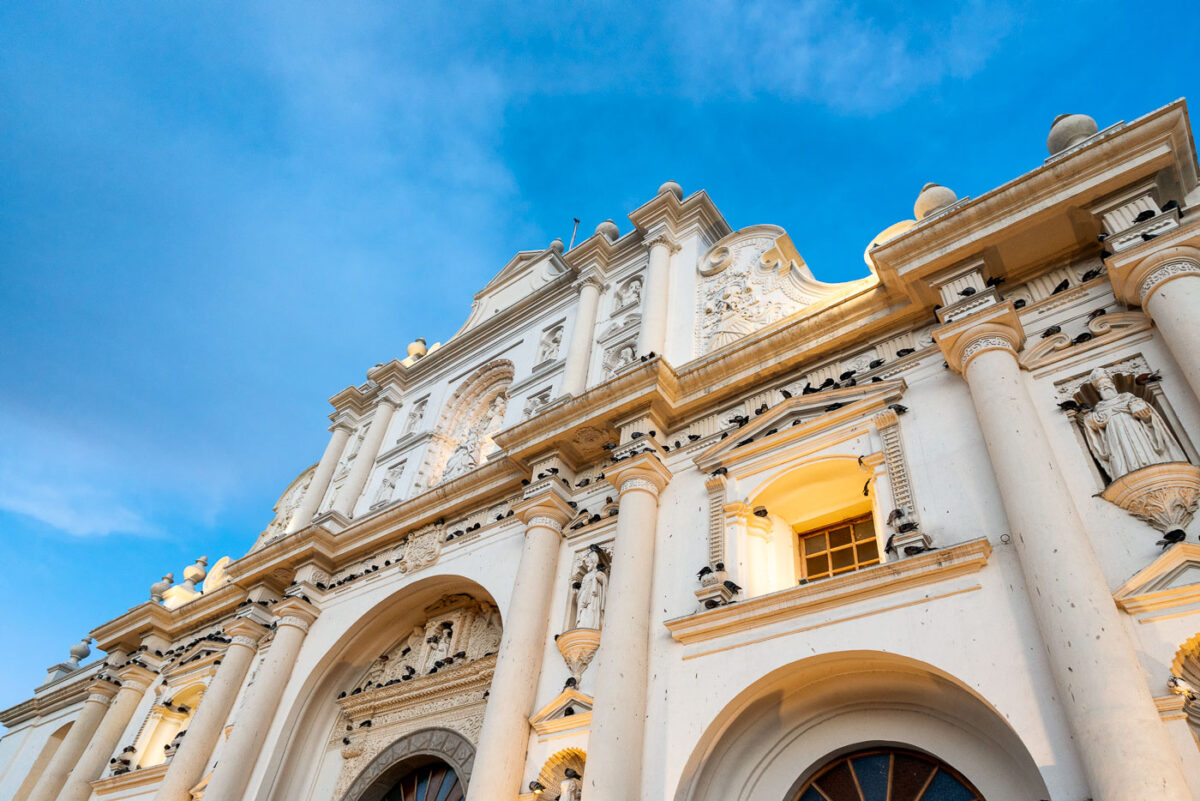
(664, 239)
(451, 746)
(818, 596)
(1104, 330)
(717, 493)
(546, 522)
(551, 719)
(578, 647)
(1160, 275)
(140, 781)
(1163, 495)
(1172, 581)
(639, 484)
(995, 328)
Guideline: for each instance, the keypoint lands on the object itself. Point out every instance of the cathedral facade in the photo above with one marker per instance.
(671, 519)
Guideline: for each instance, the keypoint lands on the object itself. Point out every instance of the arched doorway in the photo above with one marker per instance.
(887, 774)
(436, 781)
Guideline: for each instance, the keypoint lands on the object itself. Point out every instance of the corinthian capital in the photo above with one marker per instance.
(664, 239)
(996, 328)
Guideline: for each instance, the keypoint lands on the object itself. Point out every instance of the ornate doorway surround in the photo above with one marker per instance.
(383, 779)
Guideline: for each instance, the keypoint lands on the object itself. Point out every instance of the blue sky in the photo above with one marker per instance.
(213, 216)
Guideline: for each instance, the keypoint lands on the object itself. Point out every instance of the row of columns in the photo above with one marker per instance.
(95, 734)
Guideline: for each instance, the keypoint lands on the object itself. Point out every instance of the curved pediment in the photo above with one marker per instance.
(750, 279)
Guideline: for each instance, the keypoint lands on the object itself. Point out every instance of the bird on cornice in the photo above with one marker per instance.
(1172, 537)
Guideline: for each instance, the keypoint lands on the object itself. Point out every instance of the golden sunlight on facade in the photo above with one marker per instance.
(671, 519)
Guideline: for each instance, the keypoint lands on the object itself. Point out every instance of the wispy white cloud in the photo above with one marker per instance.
(842, 56)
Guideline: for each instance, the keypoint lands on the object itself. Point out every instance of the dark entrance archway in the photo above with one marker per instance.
(436, 781)
(887, 774)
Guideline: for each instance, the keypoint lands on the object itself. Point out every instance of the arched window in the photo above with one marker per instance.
(433, 782)
(887, 774)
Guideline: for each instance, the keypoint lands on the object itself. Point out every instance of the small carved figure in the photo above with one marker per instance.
(630, 294)
(549, 347)
(464, 458)
(439, 647)
(1124, 432)
(571, 788)
(387, 487)
(589, 598)
(414, 417)
(735, 314)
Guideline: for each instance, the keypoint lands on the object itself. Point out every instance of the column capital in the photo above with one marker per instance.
(1133, 282)
(390, 394)
(547, 508)
(295, 612)
(343, 422)
(645, 471)
(102, 690)
(589, 276)
(997, 328)
(662, 238)
(136, 676)
(245, 631)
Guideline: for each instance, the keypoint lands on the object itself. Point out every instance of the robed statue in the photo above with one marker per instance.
(1124, 432)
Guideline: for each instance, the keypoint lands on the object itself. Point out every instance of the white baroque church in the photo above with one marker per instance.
(670, 519)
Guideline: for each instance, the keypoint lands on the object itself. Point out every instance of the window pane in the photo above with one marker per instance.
(816, 566)
(864, 530)
(945, 787)
(872, 772)
(815, 544)
(868, 552)
(843, 559)
(837, 783)
(839, 537)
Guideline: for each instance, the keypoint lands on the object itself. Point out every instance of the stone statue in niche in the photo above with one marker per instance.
(571, 788)
(590, 592)
(630, 294)
(439, 647)
(387, 487)
(464, 458)
(415, 414)
(549, 348)
(1124, 432)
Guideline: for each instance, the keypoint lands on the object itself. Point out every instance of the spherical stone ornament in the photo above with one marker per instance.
(196, 573)
(672, 187)
(608, 229)
(418, 347)
(932, 198)
(1068, 130)
(81, 651)
(557, 246)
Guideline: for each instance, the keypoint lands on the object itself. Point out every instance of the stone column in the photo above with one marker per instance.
(1121, 740)
(320, 480)
(360, 471)
(77, 739)
(134, 682)
(505, 735)
(204, 731)
(614, 762)
(652, 337)
(232, 773)
(1167, 287)
(583, 334)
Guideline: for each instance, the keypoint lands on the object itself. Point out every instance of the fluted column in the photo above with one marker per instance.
(614, 762)
(1167, 287)
(652, 336)
(1121, 740)
(238, 757)
(360, 471)
(204, 730)
(134, 682)
(504, 738)
(321, 476)
(100, 694)
(583, 334)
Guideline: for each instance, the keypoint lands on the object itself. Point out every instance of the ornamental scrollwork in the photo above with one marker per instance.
(639, 484)
(1159, 275)
(985, 343)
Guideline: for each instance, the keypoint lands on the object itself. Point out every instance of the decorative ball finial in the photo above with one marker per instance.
(159, 587)
(672, 187)
(1068, 130)
(80, 652)
(418, 348)
(609, 229)
(932, 198)
(557, 246)
(194, 574)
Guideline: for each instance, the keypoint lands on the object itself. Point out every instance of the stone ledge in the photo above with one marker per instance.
(872, 582)
(139, 780)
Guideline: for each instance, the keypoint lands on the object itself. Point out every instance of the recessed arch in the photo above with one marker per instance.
(409, 752)
(471, 415)
(822, 490)
(768, 740)
(303, 759)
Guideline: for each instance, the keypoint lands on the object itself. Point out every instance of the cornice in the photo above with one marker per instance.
(695, 212)
(141, 779)
(45, 703)
(1130, 269)
(1159, 140)
(444, 684)
(819, 596)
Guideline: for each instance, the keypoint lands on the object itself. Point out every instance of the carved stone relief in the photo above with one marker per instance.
(548, 348)
(387, 487)
(746, 283)
(589, 587)
(618, 357)
(421, 549)
(287, 505)
(1124, 432)
(629, 294)
(463, 439)
(536, 402)
(415, 415)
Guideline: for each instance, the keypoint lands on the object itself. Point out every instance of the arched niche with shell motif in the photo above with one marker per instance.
(462, 439)
(753, 278)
